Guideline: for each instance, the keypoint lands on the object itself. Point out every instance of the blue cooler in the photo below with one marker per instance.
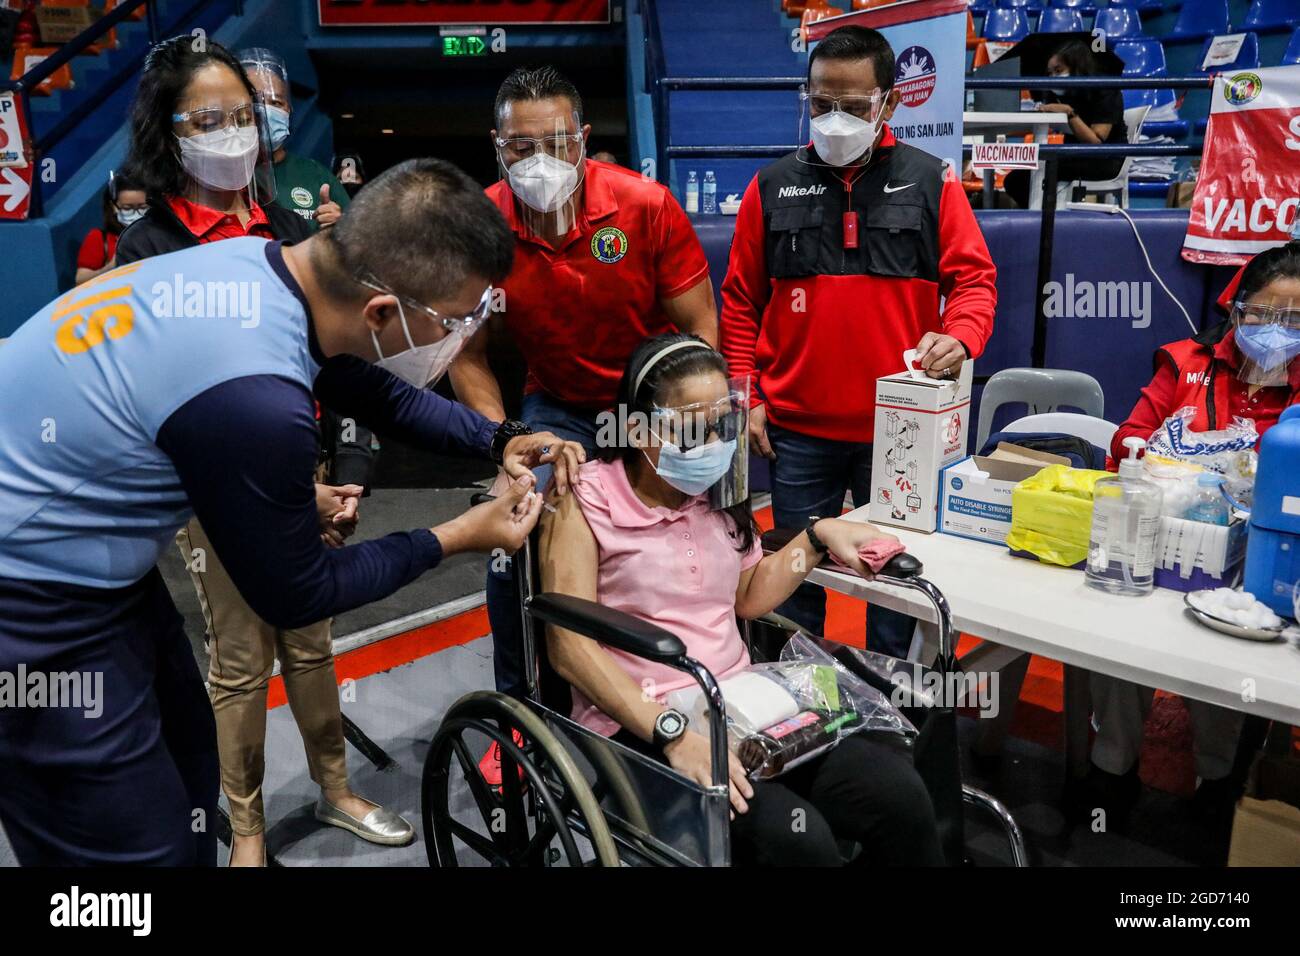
(1273, 548)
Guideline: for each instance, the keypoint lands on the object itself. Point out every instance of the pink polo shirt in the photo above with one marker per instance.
(676, 569)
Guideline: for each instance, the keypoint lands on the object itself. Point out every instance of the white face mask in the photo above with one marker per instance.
(421, 365)
(128, 216)
(841, 138)
(223, 159)
(542, 181)
(1060, 76)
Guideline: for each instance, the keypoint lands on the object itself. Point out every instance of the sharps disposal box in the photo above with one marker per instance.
(921, 426)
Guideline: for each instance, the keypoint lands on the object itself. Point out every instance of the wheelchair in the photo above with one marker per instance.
(570, 796)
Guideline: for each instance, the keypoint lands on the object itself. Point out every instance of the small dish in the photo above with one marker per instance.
(1228, 627)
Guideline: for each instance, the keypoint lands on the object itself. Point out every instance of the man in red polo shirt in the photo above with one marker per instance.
(604, 258)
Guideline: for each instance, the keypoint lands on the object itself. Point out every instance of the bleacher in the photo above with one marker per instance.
(1154, 38)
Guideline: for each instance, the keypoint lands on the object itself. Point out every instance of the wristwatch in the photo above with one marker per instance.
(507, 430)
(818, 544)
(669, 726)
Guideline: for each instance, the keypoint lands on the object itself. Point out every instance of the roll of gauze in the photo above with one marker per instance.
(757, 702)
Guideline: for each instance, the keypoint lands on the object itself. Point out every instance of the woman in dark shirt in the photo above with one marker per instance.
(1096, 117)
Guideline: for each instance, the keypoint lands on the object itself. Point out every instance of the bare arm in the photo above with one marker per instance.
(774, 579)
(569, 560)
(695, 312)
(472, 378)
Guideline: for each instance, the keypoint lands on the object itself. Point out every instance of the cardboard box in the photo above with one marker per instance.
(1266, 826)
(921, 426)
(976, 491)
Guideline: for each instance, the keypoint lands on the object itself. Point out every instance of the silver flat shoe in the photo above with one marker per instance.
(379, 826)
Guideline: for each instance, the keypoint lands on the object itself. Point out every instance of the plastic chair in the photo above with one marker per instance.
(1060, 20)
(1269, 15)
(1042, 390)
(1006, 25)
(1292, 54)
(1200, 18)
(1098, 431)
(1083, 6)
(1028, 5)
(1119, 22)
(1133, 119)
(1141, 56)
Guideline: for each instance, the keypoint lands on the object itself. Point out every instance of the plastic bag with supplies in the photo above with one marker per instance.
(1229, 451)
(782, 714)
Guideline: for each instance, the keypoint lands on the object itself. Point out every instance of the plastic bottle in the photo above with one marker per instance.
(710, 193)
(692, 193)
(1125, 524)
(1208, 506)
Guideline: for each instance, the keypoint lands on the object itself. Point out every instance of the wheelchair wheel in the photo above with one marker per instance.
(540, 784)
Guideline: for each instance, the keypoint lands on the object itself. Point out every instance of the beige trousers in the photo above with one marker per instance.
(243, 649)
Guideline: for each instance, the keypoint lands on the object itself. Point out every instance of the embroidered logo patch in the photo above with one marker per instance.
(609, 244)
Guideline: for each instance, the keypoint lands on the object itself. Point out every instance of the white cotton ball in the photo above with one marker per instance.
(1240, 600)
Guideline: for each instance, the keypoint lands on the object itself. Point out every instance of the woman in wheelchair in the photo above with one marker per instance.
(638, 534)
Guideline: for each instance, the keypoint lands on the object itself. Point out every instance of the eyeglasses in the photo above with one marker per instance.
(689, 425)
(209, 119)
(466, 323)
(559, 145)
(1247, 313)
(138, 207)
(863, 106)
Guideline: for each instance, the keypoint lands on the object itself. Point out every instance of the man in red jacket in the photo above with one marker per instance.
(847, 252)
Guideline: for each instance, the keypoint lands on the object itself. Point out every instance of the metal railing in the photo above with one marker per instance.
(29, 81)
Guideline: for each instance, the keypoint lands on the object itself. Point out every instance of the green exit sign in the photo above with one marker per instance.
(463, 46)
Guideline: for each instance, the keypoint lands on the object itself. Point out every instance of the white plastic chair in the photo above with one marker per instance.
(1040, 390)
(1098, 431)
(1133, 120)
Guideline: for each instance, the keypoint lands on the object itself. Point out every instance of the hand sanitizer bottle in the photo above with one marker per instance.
(1125, 524)
(692, 193)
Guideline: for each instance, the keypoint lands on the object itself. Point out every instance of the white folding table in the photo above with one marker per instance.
(1050, 611)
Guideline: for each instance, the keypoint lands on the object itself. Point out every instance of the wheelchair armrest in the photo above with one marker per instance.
(612, 627)
(899, 566)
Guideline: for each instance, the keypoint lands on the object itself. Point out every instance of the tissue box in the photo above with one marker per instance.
(921, 426)
(976, 491)
(1209, 563)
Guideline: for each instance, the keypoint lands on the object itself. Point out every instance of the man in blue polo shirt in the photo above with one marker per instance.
(182, 386)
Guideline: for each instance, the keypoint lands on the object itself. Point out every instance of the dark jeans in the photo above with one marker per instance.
(809, 477)
(541, 413)
(135, 783)
(865, 790)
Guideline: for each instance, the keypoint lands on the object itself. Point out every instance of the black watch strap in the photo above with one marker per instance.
(669, 726)
(508, 429)
(818, 544)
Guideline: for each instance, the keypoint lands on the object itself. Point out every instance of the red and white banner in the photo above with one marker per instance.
(1247, 195)
(411, 13)
(15, 171)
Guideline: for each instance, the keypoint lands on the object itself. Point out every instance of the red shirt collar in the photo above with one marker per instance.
(200, 220)
(598, 201)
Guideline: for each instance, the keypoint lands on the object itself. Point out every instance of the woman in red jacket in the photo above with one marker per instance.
(1249, 367)
(1245, 367)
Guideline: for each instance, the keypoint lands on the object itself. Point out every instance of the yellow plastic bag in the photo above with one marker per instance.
(1051, 514)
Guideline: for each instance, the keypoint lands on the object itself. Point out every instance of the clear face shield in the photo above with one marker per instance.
(543, 163)
(1268, 340)
(226, 147)
(424, 365)
(267, 72)
(704, 446)
(842, 130)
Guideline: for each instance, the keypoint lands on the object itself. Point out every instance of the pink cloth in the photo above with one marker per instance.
(875, 554)
(676, 569)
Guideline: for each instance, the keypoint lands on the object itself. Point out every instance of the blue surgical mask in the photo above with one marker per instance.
(278, 121)
(1268, 346)
(696, 470)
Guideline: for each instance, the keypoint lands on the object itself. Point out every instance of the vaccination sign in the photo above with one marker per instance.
(929, 41)
(411, 13)
(1248, 193)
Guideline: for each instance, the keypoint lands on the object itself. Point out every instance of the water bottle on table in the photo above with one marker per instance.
(710, 193)
(692, 193)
